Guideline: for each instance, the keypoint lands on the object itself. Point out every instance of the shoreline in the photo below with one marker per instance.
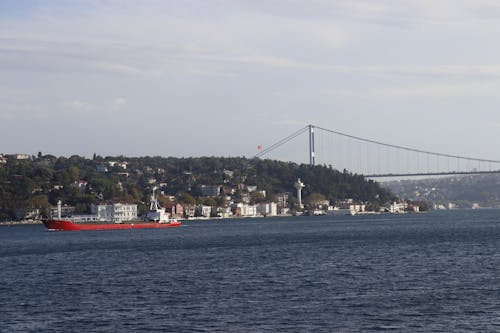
(23, 222)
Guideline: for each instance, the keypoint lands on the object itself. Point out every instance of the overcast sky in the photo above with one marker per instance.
(219, 78)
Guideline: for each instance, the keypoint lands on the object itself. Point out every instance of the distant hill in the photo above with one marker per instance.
(462, 191)
(39, 182)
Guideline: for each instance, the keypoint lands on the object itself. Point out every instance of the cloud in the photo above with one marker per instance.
(153, 39)
(381, 12)
(118, 68)
(54, 54)
(79, 106)
(422, 11)
(419, 91)
(111, 106)
(19, 104)
(443, 71)
(164, 37)
(118, 104)
(437, 71)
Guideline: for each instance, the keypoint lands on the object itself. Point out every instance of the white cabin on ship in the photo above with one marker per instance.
(156, 212)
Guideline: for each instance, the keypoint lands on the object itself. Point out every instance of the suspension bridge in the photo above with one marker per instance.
(378, 159)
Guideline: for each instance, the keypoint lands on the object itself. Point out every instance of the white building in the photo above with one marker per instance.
(224, 212)
(398, 207)
(244, 210)
(248, 210)
(20, 156)
(267, 209)
(65, 211)
(117, 212)
(203, 210)
(122, 165)
(355, 209)
(283, 199)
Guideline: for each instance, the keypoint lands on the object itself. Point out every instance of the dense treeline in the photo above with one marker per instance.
(40, 182)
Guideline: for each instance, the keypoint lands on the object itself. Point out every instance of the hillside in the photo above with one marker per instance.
(460, 191)
(39, 182)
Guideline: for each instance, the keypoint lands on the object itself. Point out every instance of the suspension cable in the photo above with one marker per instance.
(405, 148)
(281, 142)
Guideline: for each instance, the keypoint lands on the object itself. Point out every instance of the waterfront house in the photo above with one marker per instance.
(117, 212)
(203, 210)
(267, 209)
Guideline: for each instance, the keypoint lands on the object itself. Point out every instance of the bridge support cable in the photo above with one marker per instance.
(281, 142)
(408, 149)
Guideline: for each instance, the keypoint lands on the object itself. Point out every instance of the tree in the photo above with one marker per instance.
(74, 172)
(210, 202)
(314, 199)
(40, 202)
(187, 199)
(257, 197)
(293, 203)
(220, 201)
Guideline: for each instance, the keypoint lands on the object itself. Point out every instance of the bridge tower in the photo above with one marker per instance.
(312, 153)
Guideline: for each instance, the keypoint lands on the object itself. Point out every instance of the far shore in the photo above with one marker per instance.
(20, 222)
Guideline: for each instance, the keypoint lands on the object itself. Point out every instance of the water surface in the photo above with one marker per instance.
(436, 272)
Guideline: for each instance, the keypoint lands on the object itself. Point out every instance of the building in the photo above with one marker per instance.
(224, 212)
(244, 210)
(189, 210)
(117, 212)
(267, 209)
(398, 207)
(66, 211)
(27, 214)
(101, 168)
(175, 209)
(283, 199)
(249, 210)
(202, 210)
(355, 209)
(122, 165)
(210, 190)
(20, 156)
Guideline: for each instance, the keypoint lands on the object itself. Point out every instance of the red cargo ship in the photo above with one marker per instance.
(157, 218)
(67, 225)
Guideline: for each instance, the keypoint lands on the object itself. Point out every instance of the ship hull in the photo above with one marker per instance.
(67, 225)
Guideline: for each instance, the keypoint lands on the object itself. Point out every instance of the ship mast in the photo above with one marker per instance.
(154, 206)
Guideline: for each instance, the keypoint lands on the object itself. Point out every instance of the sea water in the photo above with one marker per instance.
(434, 272)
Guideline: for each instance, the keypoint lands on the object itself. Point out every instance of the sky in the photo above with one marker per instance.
(221, 77)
